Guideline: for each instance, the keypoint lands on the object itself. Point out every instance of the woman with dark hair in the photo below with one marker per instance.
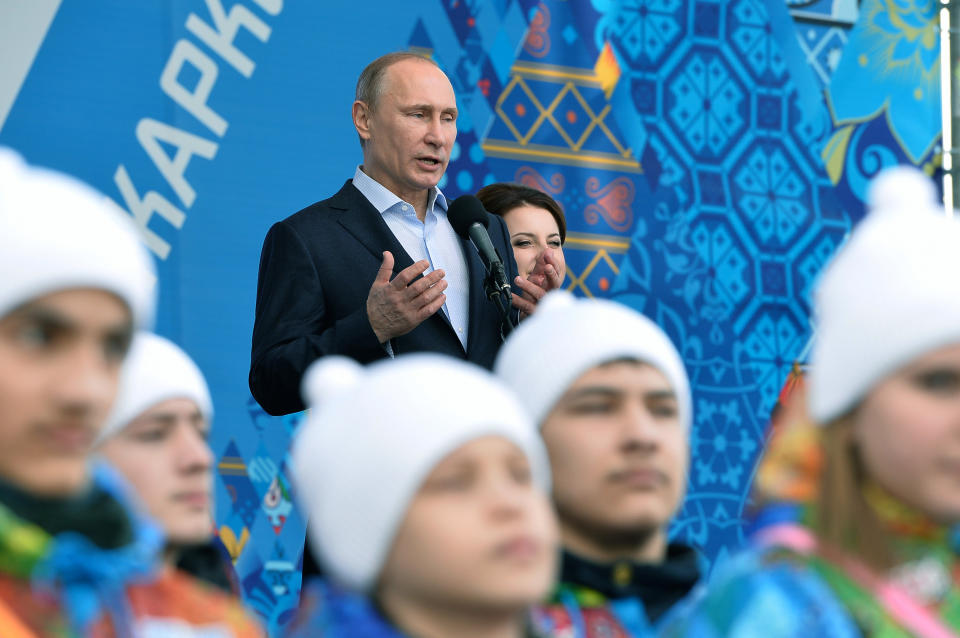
(537, 228)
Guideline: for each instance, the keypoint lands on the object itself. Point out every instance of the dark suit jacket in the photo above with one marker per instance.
(316, 270)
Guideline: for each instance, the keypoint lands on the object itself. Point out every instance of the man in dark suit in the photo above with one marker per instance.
(376, 270)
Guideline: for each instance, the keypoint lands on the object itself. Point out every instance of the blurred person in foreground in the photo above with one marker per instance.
(857, 508)
(429, 510)
(157, 437)
(614, 409)
(77, 558)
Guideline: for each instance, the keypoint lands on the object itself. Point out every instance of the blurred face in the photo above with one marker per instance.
(619, 456)
(907, 431)
(533, 234)
(60, 359)
(409, 134)
(165, 456)
(478, 535)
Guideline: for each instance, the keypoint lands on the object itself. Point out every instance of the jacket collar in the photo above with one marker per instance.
(658, 585)
(71, 557)
(362, 220)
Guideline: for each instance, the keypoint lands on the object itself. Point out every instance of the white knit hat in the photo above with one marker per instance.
(374, 434)
(567, 336)
(58, 233)
(155, 370)
(891, 294)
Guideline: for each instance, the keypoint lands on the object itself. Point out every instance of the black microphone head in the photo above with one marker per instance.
(464, 212)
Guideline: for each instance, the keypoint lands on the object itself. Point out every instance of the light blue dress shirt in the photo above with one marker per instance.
(432, 239)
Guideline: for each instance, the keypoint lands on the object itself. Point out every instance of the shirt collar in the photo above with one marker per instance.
(383, 199)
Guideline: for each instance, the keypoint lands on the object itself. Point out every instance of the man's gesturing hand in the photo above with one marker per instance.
(397, 307)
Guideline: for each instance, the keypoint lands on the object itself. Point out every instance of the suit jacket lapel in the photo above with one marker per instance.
(366, 224)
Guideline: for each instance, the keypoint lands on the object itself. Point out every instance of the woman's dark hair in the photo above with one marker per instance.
(503, 197)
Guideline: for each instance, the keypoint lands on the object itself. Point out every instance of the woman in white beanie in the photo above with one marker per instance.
(611, 396)
(857, 510)
(77, 558)
(425, 487)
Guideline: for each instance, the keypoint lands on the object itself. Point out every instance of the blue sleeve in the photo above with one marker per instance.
(748, 598)
(327, 611)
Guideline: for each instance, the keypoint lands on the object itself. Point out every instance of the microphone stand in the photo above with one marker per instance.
(498, 291)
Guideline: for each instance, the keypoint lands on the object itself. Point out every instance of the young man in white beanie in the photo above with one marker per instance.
(611, 396)
(76, 557)
(156, 437)
(429, 510)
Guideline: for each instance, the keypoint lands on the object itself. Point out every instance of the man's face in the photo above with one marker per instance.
(60, 359)
(618, 451)
(410, 133)
(165, 456)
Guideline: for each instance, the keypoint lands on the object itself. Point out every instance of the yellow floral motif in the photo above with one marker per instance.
(911, 34)
(890, 68)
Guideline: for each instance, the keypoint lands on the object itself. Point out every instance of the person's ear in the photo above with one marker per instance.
(361, 119)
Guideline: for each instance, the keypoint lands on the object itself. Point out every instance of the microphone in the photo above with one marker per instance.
(469, 220)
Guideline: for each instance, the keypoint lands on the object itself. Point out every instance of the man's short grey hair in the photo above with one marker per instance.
(370, 82)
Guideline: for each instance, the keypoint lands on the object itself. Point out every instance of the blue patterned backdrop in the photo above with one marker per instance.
(710, 155)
